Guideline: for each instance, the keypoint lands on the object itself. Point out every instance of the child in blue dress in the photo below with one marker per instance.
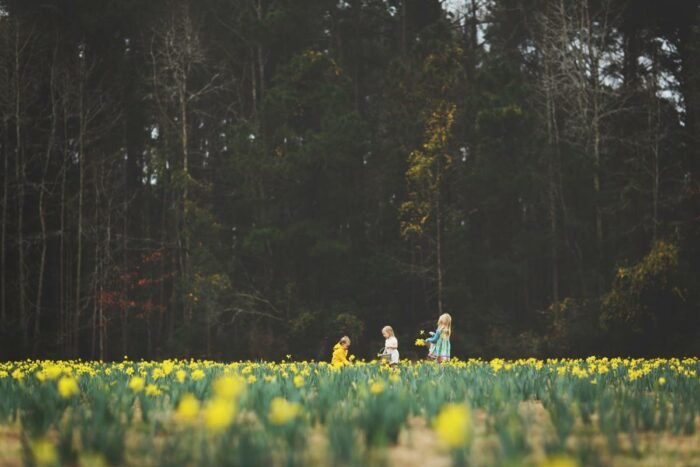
(440, 341)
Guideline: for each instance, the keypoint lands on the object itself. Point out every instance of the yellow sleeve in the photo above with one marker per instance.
(339, 357)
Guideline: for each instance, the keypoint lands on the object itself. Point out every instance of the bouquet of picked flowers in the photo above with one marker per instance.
(420, 341)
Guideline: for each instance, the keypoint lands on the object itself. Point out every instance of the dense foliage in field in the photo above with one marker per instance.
(536, 412)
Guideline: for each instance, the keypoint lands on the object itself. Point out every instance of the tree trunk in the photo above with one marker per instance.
(404, 26)
(597, 200)
(62, 306)
(20, 179)
(95, 281)
(42, 214)
(654, 126)
(595, 129)
(3, 235)
(438, 245)
(5, 196)
(98, 259)
(260, 59)
(655, 193)
(552, 182)
(253, 91)
(81, 168)
(123, 315)
(184, 229)
(104, 277)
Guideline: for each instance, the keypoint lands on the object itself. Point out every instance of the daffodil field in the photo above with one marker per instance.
(596, 411)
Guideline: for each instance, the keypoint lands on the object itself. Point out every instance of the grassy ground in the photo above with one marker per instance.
(595, 412)
(419, 446)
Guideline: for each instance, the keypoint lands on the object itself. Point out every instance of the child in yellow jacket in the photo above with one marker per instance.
(340, 352)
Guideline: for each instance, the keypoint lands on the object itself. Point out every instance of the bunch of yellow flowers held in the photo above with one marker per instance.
(278, 404)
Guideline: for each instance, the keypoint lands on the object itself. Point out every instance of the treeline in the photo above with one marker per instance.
(255, 178)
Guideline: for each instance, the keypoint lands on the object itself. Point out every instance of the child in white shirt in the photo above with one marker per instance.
(391, 345)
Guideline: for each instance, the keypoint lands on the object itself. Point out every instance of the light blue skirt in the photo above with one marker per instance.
(440, 351)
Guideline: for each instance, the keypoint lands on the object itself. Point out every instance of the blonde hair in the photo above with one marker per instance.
(445, 323)
(389, 330)
(344, 340)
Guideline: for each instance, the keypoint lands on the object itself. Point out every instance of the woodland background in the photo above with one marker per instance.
(255, 178)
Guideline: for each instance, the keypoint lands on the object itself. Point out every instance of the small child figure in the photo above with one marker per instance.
(391, 345)
(340, 352)
(440, 341)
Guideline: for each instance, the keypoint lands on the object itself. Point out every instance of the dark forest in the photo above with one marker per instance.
(248, 179)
